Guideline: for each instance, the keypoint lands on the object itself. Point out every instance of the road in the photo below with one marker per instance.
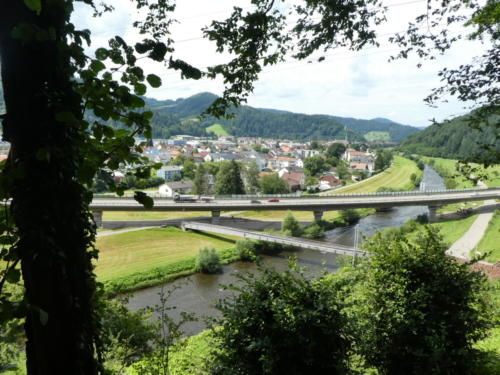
(323, 203)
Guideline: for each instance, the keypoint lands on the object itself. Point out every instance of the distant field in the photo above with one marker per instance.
(126, 254)
(151, 215)
(299, 215)
(396, 177)
(377, 136)
(217, 129)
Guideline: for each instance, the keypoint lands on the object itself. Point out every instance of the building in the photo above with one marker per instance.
(328, 182)
(180, 187)
(295, 181)
(169, 172)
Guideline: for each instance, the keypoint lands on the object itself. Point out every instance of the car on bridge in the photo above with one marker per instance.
(273, 200)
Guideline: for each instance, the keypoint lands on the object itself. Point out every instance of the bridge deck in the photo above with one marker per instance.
(315, 203)
(285, 240)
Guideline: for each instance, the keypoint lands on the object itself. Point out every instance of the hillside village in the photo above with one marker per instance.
(332, 167)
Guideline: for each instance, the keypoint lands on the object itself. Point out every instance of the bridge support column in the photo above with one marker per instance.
(97, 218)
(432, 213)
(318, 215)
(215, 217)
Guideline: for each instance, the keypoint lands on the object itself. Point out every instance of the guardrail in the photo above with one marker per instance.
(317, 196)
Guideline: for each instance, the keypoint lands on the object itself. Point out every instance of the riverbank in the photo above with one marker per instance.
(134, 260)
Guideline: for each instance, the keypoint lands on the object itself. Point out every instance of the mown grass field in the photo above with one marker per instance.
(217, 129)
(299, 215)
(491, 240)
(151, 215)
(396, 177)
(124, 255)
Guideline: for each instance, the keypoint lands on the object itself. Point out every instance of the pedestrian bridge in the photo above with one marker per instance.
(317, 204)
(275, 238)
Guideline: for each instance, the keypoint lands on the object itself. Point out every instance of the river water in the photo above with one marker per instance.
(197, 293)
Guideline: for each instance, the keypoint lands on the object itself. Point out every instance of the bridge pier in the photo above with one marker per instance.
(97, 218)
(433, 213)
(215, 217)
(318, 215)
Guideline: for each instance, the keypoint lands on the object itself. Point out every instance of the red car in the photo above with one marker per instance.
(273, 200)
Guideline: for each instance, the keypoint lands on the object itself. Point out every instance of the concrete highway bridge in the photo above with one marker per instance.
(267, 237)
(317, 204)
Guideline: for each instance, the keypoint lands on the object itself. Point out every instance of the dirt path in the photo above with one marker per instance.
(111, 232)
(465, 244)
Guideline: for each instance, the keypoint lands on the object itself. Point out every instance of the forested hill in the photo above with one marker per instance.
(258, 122)
(451, 139)
(378, 128)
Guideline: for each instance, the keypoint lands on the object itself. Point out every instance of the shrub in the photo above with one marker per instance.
(419, 311)
(207, 261)
(314, 230)
(291, 226)
(281, 323)
(422, 219)
(247, 250)
(350, 216)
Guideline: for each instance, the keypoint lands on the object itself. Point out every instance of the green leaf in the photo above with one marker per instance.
(144, 199)
(13, 275)
(101, 54)
(140, 89)
(34, 5)
(154, 80)
(97, 66)
(159, 51)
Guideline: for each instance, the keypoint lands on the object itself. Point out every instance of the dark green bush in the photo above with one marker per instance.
(208, 261)
(247, 250)
(281, 323)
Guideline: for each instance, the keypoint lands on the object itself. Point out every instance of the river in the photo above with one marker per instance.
(197, 293)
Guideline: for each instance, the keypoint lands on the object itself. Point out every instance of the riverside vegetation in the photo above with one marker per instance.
(409, 282)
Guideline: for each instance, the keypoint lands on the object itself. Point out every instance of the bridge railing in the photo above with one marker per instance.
(313, 196)
(344, 195)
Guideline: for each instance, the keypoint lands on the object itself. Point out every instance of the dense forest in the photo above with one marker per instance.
(451, 139)
(396, 132)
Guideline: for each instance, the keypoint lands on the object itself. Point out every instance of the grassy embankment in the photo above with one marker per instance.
(395, 177)
(491, 241)
(139, 259)
(447, 167)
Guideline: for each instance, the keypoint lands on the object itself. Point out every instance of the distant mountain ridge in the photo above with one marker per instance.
(172, 117)
(273, 123)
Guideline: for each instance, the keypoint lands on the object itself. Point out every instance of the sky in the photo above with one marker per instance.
(360, 84)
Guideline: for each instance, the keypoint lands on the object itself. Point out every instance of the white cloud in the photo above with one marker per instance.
(359, 84)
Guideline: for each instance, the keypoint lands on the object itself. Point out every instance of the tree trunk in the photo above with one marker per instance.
(49, 205)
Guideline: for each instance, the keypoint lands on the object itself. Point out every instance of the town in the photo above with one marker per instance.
(189, 165)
